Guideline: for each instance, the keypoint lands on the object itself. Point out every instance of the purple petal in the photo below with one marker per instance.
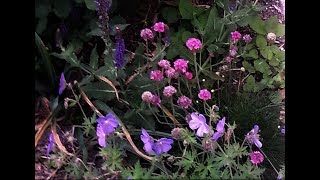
(166, 147)
(216, 136)
(112, 121)
(144, 132)
(194, 124)
(202, 118)
(202, 129)
(283, 131)
(49, 148)
(257, 142)
(220, 125)
(255, 129)
(165, 141)
(148, 147)
(157, 148)
(62, 84)
(102, 141)
(100, 132)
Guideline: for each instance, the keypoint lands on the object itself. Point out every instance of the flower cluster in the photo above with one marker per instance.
(146, 34)
(184, 102)
(168, 91)
(204, 94)
(156, 75)
(194, 44)
(148, 97)
(256, 157)
(151, 145)
(106, 126)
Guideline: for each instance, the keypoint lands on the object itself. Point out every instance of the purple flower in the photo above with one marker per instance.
(50, 144)
(228, 59)
(101, 136)
(204, 94)
(199, 122)
(120, 50)
(62, 84)
(181, 65)
(171, 72)
(156, 75)
(155, 100)
(253, 136)
(235, 36)
(194, 44)
(163, 145)
(220, 129)
(146, 34)
(164, 64)
(147, 96)
(184, 102)
(147, 140)
(159, 27)
(168, 91)
(102, 9)
(283, 130)
(108, 123)
(256, 157)
(247, 38)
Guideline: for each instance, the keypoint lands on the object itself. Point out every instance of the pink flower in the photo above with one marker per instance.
(164, 64)
(168, 91)
(233, 51)
(156, 75)
(146, 34)
(155, 100)
(235, 36)
(228, 59)
(256, 157)
(247, 38)
(184, 102)
(188, 75)
(147, 96)
(181, 65)
(204, 94)
(194, 44)
(159, 27)
(171, 72)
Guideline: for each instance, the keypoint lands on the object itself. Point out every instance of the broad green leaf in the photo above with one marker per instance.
(42, 8)
(94, 58)
(185, 36)
(275, 97)
(248, 67)
(99, 90)
(261, 41)
(185, 53)
(62, 8)
(95, 32)
(250, 84)
(253, 53)
(186, 9)
(224, 4)
(280, 30)
(258, 25)
(266, 52)
(261, 65)
(271, 24)
(170, 14)
(212, 48)
(69, 55)
(212, 20)
(200, 22)
(90, 4)
(172, 52)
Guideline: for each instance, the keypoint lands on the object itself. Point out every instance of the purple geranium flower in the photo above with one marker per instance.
(253, 136)
(101, 136)
(147, 140)
(199, 122)
(220, 129)
(162, 145)
(62, 84)
(283, 130)
(108, 123)
(50, 144)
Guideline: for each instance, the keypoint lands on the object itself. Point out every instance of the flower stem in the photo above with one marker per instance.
(74, 94)
(196, 68)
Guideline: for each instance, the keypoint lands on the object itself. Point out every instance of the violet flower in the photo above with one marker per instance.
(101, 136)
(253, 136)
(220, 129)
(62, 84)
(199, 122)
(50, 144)
(120, 50)
(163, 145)
(108, 123)
(147, 140)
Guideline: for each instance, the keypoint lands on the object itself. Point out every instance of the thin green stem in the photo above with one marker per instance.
(269, 161)
(75, 96)
(196, 68)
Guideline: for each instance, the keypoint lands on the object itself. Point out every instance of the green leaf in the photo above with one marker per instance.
(102, 106)
(248, 67)
(275, 97)
(261, 65)
(212, 48)
(42, 8)
(186, 9)
(170, 14)
(42, 25)
(261, 41)
(78, 1)
(223, 4)
(266, 52)
(274, 61)
(280, 30)
(188, 161)
(95, 32)
(69, 55)
(62, 8)
(200, 22)
(90, 4)
(185, 53)
(212, 20)
(94, 58)
(250, 84)
(253, 53)
(271, 24)
(186, 35)
(99, 90)
(79, 136)
(258, 25)
(120, 26)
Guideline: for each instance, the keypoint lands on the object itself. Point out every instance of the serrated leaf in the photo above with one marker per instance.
(261, 41)
(170, 14)
(62, 8)
(188, 161)
(186, 9)
(94, 58)
(248, 67)
(90, 4)
(258, 25)
(99, 90)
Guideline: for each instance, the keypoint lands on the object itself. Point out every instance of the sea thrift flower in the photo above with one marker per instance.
(235, 36)
(194, 44)
(233, 51)
(228, 59)
(188, 75)
(208, 144)
(156, 75)
(155, 100)
(147, 96)
(184, 102)
(199, 122)
(181, 65)
(247, 38)
(171, 72)
(220, 129)
(101, 136)
(62, 84)
(178, 133)
(108, 123)
(159, 27)
(120, 50)
(168, 91)
(271, 37)
(146, 34)
(147, 140)
(204, 94)
(163, 145)
(50, 144)
(165, 64)
(253, 136)
(256, 157)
